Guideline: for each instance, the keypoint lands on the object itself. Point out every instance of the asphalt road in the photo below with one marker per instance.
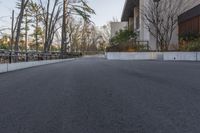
(93, 95)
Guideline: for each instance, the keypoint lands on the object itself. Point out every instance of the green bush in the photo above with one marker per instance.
(129, 46)
(123, 36)
(125, 41)
(190, 45)
(189, 42)
(193, 45)
(3, 46)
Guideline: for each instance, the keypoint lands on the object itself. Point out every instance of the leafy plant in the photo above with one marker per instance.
(189, 42)
(129, 46)
(193, 45)
(123, 36)
(190, 45)
(3, 46)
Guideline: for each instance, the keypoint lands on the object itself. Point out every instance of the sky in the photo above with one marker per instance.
(105, 10)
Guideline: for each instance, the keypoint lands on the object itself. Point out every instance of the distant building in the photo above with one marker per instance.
(117, 26)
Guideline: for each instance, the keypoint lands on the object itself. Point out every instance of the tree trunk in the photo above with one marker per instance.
(36, 35)
(26, 33)
(64, 28)
(47, 28)
(20, 19)
(12, 31)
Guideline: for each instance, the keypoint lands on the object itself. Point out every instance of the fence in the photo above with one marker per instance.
(10, 57)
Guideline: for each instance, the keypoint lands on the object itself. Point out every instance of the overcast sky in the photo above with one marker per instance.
(105, 10)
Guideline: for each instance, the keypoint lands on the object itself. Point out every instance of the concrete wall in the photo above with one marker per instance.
(3, 68)
(23, 65)
(163, 56)
(133, 55)
(198, 56)
(181, 56)
(117, 26)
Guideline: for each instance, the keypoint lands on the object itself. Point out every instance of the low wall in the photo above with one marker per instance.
(3, 68)
(198, 56)
(165, 56)
(23, 65)
(133, 55)
(181, 56)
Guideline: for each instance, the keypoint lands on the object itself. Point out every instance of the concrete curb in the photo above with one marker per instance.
(22, 65)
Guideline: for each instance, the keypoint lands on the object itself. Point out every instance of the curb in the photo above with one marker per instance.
(23, 65)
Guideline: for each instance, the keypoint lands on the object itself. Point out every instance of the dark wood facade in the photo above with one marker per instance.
(190, 27)
(189, 22)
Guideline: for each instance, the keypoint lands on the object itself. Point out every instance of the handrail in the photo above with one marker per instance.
(13, 57)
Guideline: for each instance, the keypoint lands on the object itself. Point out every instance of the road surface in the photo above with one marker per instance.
(94, 95)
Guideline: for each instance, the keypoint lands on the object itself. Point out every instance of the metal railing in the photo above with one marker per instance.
(13, 57)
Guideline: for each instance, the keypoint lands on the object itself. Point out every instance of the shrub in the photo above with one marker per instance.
(190, 45)
(193, 45)
(123, 36)
(125, 41)
(129, 46)
(3, 46)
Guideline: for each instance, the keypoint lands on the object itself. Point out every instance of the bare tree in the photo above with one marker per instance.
(161, 19)
(35, 11)
(64, 27)
(73, 8)
(84, 37)
(115, 19)
(50, 20)
(75, 38)
(23, 5)
(106, 33)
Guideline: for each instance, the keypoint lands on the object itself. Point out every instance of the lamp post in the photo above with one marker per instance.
(157, 19)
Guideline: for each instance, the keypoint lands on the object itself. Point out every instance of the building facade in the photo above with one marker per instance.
(132, 14)
(189, 22)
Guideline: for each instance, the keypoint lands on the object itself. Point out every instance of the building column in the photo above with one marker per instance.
(131, 23)
(144, 33)
(136, 18)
